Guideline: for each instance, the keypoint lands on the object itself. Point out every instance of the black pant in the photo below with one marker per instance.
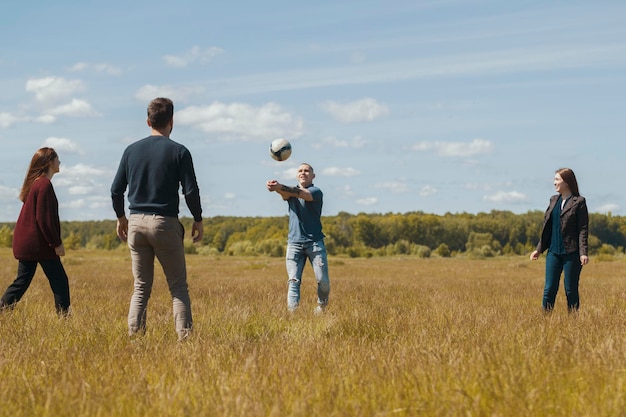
(53, 268)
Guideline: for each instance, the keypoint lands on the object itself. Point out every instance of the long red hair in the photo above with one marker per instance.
(39, 166)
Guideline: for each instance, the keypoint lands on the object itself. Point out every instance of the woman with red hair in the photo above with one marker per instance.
(37, 234)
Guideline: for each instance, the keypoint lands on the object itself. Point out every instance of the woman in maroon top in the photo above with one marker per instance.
(37, 234)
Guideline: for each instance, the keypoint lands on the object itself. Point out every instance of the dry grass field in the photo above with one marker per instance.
(402, 337)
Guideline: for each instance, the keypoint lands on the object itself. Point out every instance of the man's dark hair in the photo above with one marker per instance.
(160, 112)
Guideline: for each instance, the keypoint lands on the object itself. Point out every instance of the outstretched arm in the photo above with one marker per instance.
(287, 192)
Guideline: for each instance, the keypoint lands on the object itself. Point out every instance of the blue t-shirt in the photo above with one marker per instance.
(305, 224)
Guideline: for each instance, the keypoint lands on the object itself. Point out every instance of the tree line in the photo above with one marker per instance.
(364, 235)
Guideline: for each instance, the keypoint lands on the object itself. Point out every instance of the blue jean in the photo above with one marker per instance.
(149, 236)
(570, 265)
(53, 268)
(297, 254)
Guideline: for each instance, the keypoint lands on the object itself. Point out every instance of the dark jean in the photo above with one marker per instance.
(570, 265)
(53, 268)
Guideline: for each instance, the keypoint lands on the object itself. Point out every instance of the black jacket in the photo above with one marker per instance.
(574, 225)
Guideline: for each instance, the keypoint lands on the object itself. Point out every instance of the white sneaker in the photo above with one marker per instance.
(319, 310)
(184, 334)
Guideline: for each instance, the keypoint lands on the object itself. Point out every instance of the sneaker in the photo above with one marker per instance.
(184, 334)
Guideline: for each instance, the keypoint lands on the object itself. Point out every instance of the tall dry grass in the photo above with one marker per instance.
(402, 337)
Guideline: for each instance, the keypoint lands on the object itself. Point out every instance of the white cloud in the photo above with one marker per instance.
(454, 149)
(73, 204)
(101, 67)
(195, 54)
(241, 121)
(7, 193)
(506, 197)
(8, 120)
(428, 190)
(86, 205)
(84, 188)
(80, 190)
(149, 92)
(288, 173)
(475, 147)
(84, 170)
(367, 201)
(358, 142)
(347, 190)
(340, 172)
(364, 110)
(395, 187)
(608, 208)
(98, 200)
(79, 66)
(80, 174)
(63, 145)
(45, 119)
(424, 146)
(331, 141)
(50, 89)
(477, 186)
(75, 108)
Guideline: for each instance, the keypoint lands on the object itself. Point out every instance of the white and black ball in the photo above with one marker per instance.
(280, 149)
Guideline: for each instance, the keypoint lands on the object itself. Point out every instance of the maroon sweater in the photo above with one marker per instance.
(38, 229)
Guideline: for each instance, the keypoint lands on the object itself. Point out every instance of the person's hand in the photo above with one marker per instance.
(122, 228)
(535, 255)
(60, 250)
(272, 185)
(197, 231)
(584, 259)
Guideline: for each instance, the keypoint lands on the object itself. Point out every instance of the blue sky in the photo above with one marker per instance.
(400, 106)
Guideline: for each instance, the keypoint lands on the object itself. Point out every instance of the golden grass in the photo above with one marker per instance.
(402, 337)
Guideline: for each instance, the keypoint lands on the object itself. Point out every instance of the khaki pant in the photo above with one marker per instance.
(152, 235)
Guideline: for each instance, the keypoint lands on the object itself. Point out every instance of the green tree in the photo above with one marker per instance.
(72, 241)
(443, 250)
(368, 232)
(110, 241)
(483, 244)
(6, 237)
